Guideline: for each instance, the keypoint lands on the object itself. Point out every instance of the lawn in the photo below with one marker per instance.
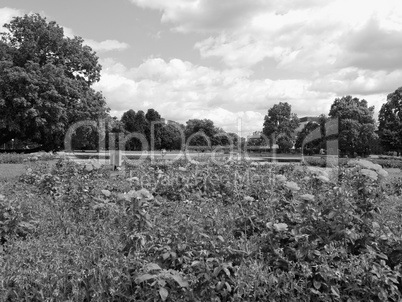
(11, 170)
(187, 231)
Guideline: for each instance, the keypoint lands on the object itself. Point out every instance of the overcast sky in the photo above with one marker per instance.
(224, 59)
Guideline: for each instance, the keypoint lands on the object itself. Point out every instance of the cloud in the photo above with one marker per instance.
(375, 46)
(180, 90)
(351, 81)
(102, 46)
(204, 15)
(310, 35)
(7, 14)
(106, 45)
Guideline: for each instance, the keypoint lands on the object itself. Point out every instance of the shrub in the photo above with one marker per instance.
(12, 158)
(184, 232)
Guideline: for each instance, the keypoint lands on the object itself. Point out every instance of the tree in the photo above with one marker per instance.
(356, 124)
(390, 122)
(200, 132)
(171, 136)
(153, 128)
(139, 126)
(128, 120)
(85, 138)
(280, 123)
(45, 82)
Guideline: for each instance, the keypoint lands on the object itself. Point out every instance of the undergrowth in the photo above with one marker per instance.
(199, 232)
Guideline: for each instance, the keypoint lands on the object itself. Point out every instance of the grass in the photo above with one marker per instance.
(12, 158)
(8, 171)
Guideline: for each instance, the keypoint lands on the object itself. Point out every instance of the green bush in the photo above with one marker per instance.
(388, 163)
(16, 158)
(201, 232)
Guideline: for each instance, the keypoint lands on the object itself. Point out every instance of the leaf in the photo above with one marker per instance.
(226, 271)
(195, 263)
(280, 226)
(165, 256)
(163, 293)
(144, 277)
(221, 238)
(153, 266)
(228, 287)
(317, 284)
(217, 270)
(335, 291)
(331, 214)
(106, 193)
(97, 165)
(123, 196)
(179, 279)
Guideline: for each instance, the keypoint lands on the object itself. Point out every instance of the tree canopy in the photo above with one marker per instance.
(356, 124)
(281, 123)
(45, 82)
(128, 120)
(390, 122)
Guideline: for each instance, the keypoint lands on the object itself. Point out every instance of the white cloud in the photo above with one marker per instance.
(106, 45)
(318, 36)
(98, 46)
(204, 15)
(351, 81)
(6, 15)
(180, 91)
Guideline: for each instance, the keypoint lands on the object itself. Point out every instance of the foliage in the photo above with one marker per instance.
(45, 82)
(308, 131)
(280, 123)
(390, 119)
(153, 130)
(181, 231)
(171, 136)
(356, 125)
(323, 161)
(15, 158)
(388, 163)
(12, 158)
(200, 132)
(128, 120)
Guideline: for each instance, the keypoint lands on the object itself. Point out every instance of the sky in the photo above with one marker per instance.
(232, 60)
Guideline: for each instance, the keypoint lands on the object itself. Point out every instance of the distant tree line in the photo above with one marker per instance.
(350, 123)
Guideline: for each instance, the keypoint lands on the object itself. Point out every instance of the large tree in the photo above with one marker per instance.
(356, 125)
(45, 82)
(280, 124)
(390, 122)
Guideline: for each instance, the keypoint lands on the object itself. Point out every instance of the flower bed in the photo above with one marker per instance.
(201, 232)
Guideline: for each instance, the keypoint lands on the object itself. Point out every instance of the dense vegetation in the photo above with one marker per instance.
(390, 119)
(46, 82)
(188, 231)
